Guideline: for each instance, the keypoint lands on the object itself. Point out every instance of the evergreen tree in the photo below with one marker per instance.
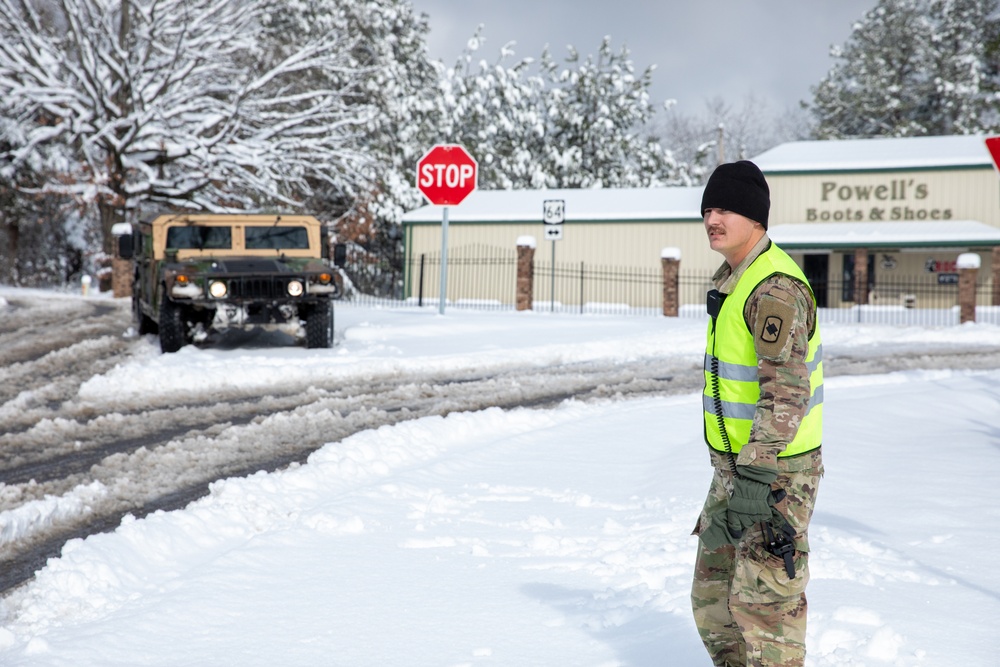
(912, 68)
(597, 109)
(964, 99)
(494, 111)
(555, 127)
(390, 73)
(45, 238)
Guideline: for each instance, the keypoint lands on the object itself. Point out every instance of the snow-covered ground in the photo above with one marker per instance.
(532, 537)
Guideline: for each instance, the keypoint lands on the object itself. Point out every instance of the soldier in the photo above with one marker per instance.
(763, 411)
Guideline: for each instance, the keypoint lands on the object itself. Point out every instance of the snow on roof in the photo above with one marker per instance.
(667, 203)
(683, 203)
(884, 234)
(863, 154)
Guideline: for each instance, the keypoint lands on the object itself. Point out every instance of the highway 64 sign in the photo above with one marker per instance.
(553, 215)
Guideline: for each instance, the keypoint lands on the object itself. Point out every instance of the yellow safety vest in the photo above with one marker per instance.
(731, 384)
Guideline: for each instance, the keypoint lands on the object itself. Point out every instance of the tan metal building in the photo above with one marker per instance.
(902, 206)
(888, 207)
(602, 229)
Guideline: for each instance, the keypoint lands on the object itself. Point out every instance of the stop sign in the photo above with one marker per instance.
(446, 174)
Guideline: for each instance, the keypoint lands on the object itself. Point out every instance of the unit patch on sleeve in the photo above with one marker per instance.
(772, 329)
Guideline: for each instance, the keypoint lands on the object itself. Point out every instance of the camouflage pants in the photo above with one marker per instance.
(748, 612)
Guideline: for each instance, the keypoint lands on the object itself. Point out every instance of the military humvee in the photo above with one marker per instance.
(198, 272)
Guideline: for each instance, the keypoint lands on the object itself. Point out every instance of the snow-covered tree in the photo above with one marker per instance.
(494, 110)
(110, 106)
(582, 125)
(963, 53)
(911, 68)
(391, 74)
(45, 237)
(598, 108)
(175, 103)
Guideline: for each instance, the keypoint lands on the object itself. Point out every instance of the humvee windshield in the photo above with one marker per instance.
(196, 237)
(279, 237)
(216, 237)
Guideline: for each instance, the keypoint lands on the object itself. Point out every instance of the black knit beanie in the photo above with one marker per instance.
(738, 187)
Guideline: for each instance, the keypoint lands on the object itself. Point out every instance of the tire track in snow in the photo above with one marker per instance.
(164, 454)
(153, 453)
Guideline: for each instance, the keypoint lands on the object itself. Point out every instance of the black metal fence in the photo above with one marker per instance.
(922, 299)
(368, 278)
(582, 288)
(481, 277)
(485, 278)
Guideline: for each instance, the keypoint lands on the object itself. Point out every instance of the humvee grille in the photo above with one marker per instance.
(258, 287)
(252, 266)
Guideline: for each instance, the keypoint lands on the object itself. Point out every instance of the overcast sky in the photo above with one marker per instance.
(702, 49)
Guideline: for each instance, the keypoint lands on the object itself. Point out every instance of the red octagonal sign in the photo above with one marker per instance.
(447, 174)
(993, 146)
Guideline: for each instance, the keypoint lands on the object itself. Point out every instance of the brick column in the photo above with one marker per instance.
(968, 269)
(121, 277)
(861, 276)
(670, 258)
(525, 271)
(121, 269)
(995, 300)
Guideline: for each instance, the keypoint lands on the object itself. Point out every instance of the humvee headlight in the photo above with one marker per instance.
(218, 289)
(295, 288)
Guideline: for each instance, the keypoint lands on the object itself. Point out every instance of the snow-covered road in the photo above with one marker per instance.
(95, 425)
(75, 415)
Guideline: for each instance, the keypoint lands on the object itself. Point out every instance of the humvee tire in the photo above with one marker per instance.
(143, 323)
(172, 335)
(319, 326)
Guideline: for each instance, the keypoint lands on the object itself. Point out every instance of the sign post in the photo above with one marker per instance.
(446, 175)
(443, 282)
(553, 215)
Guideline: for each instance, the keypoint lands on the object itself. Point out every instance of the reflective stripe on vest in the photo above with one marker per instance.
(736, 372)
